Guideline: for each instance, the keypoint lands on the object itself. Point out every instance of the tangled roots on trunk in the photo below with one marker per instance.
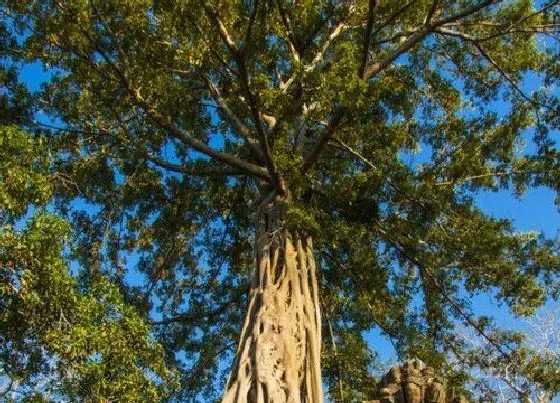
(278, 356)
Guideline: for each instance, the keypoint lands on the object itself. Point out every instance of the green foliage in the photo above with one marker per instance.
(166, 110)
(349, 380)
(92, 345)
(82, 336)
(22, 173)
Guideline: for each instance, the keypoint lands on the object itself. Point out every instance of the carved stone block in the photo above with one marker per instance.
(414, 382)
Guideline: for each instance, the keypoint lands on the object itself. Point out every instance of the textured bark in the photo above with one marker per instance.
(278, 355)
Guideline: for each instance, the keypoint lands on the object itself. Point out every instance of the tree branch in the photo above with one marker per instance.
(355, 153)
(252, 18)
(208, 315)
(483, 53)
(377, 67)
(360, 286)
(215, 18)
(408, 44)
(398, 247)
(256, 115)
(335, 350)
(391, 18)
(238, 126)
(240, 59)
(431, 12)
(319, 56)
(226, 158)
(294, 47)
(511, 27)
(337, 30)
(466, 13)
(172, 129)
(372, 7)
(420, 34)
(313, 154)
(193, 170)
(487, 175)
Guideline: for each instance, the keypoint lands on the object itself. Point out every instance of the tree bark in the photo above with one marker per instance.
(278, 355)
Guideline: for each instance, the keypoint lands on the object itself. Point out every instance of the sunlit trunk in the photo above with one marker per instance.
(278, 355)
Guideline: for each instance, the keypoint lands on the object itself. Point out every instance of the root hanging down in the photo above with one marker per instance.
(278, 356)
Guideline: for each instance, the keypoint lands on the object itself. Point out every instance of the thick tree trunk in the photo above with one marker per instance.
(278, 356)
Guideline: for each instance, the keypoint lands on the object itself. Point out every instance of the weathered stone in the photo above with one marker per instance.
(414, 382)
(393, 376)
(436, 392)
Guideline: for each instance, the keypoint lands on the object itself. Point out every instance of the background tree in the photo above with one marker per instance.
(192, 138)
(61, 336)
(507, 381)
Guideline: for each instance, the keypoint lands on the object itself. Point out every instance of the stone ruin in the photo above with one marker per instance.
(414, 382)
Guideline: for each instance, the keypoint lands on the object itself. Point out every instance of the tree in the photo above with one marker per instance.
(192, 138)
(79, 333)
(507, 380)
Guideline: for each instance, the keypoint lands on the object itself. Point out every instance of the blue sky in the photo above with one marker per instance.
(535, 211)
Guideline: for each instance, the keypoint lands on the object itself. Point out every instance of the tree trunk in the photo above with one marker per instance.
(278, 355)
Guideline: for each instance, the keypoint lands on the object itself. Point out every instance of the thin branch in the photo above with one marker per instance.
(398, 247)
(502, 72)
(292, 41)
(359, 285)
(193, 170)
(534, 29)
(238, 126)
(511, 27)
(468, 12)
(431, 12)
(372, 7)
(391, 18)
(335, 351)
(486, 55)
(337, 30)
(195, 371)
(419, 35)
(251, 22)
(215, 18)
(355, 153)
(208, 315)
(172, 129)
(469, 178)
(211, 46)
(160, 162)
(313, 154)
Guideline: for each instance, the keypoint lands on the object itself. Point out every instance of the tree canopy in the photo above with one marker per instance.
(130, 182)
